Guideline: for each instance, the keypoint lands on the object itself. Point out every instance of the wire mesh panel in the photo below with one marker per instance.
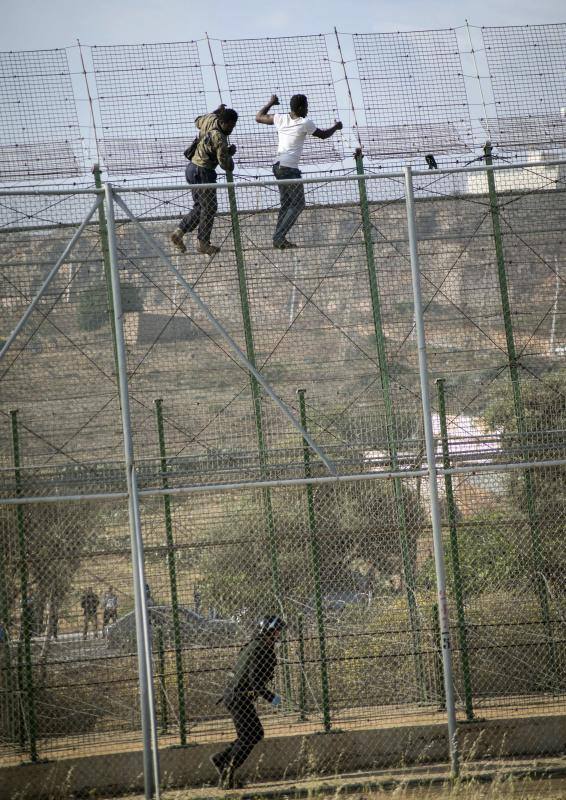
(65, 344)
(258, 68)
(491, 266)
(527, 66)
(39, 130)
(414, 95)
(149, 96)
(331, 572)
(304, 317)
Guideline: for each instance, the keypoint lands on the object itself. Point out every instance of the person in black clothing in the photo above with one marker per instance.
(254, 669)
(89, 605)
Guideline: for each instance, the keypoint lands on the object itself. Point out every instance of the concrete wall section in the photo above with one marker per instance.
(291, 757)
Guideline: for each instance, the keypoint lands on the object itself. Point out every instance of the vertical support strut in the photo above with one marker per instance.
(455, 555)
(443, 615)
(258, 416)
(103, 228)
(519, 410)
(315, 565)
(391, 427)
(161, 680)
(143, 635)
(172, 576)
(26, 622)
(7, 682)
(302, 677)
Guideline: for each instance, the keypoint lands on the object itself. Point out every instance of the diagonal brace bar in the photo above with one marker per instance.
(227, 338)
(43, 288)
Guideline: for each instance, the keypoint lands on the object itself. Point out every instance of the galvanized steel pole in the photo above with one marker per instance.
(444, 620)
(143, 637)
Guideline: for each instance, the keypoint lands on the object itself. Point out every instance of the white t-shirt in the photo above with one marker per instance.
(292, 135)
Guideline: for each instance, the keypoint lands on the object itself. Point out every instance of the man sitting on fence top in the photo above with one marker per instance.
(209, 149)
(293, 128)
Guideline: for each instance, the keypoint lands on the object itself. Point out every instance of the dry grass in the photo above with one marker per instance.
(502, 787)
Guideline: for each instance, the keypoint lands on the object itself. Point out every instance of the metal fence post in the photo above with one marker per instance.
(534, 524)
(143, 635)
(391, 427)
(103, 228)
(302, 677)
(7, 683)
(455, 555)
(172, 576)
(258, 415)
(161, 679)
(315, 565)
(26, 622)
(443, 615)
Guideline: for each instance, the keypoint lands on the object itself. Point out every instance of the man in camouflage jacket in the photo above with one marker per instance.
(211, 149)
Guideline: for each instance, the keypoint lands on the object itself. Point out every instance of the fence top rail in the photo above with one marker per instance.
(322, 179)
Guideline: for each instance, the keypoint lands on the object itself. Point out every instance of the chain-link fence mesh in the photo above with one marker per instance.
(347, 564)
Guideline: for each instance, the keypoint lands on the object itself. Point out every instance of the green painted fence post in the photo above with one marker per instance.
(6, 666)
(172, 576)
(161, 680)
(302, 678)
(315, 566)
(29, 688)
(455, 555)
(437, 646)
(518, 406)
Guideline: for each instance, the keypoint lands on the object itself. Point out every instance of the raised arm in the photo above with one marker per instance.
(262, 116)
(328, 132)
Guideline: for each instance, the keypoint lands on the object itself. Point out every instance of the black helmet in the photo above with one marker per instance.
(270, 624)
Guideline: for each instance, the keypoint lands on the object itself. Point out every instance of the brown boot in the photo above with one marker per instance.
(206, 249)
(284, 244)
(177, 239)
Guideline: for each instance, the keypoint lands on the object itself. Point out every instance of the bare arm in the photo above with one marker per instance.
(262, 116)
(328, 132)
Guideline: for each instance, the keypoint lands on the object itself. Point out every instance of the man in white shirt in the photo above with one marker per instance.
(293, 129)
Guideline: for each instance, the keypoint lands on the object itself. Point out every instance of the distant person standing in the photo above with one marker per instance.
(89, 605)
(109, 607)
(149, 601)
(292, 128)
(209, 150)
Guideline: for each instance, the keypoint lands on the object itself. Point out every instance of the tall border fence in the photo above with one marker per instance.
(362, 434)
(402, 96)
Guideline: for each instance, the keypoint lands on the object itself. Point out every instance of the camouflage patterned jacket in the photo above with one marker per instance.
(212, 148)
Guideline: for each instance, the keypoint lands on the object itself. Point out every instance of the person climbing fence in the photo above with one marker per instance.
(209, 149)
(292, 128)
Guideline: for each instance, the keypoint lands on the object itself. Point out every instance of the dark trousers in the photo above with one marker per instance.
(249, 731)
(204, 203)
(292, 201)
